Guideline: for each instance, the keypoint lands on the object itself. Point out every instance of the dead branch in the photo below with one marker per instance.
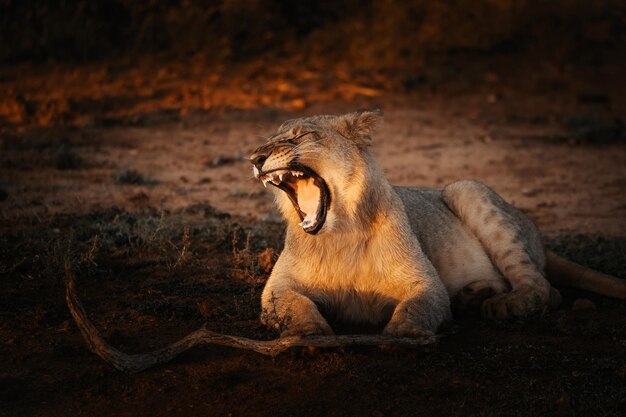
(139, 362)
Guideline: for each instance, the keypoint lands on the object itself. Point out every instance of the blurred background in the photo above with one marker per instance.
(372, 35)
(184, 55)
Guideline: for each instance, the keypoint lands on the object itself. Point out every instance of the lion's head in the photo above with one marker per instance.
(320, 165)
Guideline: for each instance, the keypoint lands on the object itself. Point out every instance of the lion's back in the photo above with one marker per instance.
(454, 251)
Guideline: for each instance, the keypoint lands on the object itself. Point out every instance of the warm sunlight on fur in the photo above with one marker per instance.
(359, 250)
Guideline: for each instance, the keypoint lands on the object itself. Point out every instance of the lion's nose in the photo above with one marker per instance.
(258, 159)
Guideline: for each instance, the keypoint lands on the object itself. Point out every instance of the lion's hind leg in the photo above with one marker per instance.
(469, 300)
(513, 244)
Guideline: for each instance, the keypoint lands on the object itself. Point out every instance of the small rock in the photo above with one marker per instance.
(583, 304)
(531, 192)
(131, 176)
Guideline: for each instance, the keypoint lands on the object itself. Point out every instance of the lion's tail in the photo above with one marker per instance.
(560, 271)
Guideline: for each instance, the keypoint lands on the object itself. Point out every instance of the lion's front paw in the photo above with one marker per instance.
(406, 328)
(308, 328)
(518, 303)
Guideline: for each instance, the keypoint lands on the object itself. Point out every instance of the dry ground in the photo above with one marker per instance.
(147, 190)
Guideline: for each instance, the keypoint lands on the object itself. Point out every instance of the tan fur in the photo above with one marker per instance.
(398, 256)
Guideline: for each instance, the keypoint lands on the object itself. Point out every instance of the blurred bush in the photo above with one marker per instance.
(370, 33)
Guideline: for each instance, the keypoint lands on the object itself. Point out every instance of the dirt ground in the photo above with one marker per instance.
(138, 175)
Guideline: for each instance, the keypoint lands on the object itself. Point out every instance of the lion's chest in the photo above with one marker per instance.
(351, 283)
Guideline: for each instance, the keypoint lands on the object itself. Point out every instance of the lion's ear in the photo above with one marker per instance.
(360, 125)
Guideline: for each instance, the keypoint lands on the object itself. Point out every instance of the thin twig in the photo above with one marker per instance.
(139, 362)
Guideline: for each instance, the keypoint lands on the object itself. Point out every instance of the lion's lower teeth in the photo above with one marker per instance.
(307, 223)
(308, 200)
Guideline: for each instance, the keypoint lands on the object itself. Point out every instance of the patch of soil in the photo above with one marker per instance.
(145, 285)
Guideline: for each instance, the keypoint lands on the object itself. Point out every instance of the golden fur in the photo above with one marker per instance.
(383, 255)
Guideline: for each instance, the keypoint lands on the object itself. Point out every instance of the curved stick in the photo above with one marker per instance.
(139, 362)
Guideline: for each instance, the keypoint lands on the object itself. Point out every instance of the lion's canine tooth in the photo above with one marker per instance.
(280, 176)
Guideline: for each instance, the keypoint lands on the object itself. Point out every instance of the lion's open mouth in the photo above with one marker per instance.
(306, 190)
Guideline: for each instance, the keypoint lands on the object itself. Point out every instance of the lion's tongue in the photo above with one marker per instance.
(308, 200)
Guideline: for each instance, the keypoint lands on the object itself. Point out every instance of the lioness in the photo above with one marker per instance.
(364, 251)
(360, 250)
